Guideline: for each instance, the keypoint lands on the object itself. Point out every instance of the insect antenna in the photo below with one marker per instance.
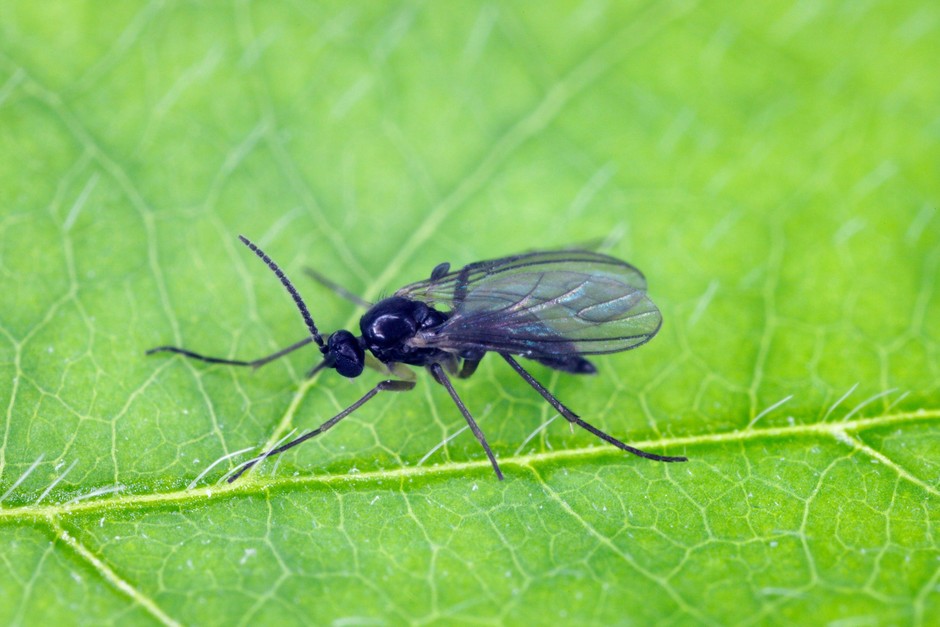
(308, 319)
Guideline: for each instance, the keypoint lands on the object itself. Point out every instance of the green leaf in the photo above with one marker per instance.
(771, 168)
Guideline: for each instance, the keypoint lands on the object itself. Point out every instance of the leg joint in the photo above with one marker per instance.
(392, 385)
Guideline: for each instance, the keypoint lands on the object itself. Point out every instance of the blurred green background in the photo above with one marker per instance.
(772, 168)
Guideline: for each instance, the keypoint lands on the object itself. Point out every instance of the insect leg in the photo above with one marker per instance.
(575, 419)
(389, 385)
(337, 289)
(326, 363)
(441, 377)
(257, 363)
(394, 369)
(468, 367)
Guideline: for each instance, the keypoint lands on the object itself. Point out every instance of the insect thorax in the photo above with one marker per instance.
(390, 323)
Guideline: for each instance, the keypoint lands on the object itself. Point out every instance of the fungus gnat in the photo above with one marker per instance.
(552, 307)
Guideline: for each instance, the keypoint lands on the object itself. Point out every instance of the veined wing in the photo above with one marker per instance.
(541, 303)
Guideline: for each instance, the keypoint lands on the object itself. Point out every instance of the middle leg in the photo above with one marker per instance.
(441, 377)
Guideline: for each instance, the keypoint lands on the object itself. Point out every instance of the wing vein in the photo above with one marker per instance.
(547, 303)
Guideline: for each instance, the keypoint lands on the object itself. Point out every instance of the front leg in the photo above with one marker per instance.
(393, 370)
(389, 385)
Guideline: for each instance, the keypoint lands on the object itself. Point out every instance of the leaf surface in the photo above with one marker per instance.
(772, 170)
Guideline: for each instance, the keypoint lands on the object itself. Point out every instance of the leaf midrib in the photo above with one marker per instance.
(254, 484)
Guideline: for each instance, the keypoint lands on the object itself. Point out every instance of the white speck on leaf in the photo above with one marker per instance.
(248, 553)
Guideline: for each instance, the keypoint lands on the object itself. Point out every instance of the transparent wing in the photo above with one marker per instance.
(540, 304)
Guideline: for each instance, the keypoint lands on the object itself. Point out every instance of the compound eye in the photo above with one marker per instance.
(348, 356)
(390, 329)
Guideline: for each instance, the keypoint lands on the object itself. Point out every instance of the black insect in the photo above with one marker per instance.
(552, 307)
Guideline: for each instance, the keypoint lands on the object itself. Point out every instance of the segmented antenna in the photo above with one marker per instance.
(290, 288)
